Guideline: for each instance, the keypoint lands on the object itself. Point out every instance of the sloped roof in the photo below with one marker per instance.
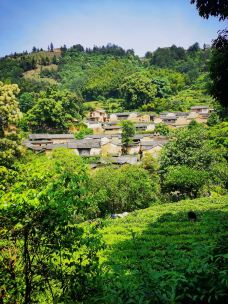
(147, 145)
(199, 107)
(123, 113)
(170, 117)
(84, 144)
(111, 127)
(50, 136)
(182, 114)
(33, 147)
(141, 125)
(53, 146)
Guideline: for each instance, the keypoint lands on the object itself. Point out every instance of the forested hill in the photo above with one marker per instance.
(169, 78)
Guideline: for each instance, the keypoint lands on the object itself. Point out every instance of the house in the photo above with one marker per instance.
(141, 127)
(112, 129)
(123, 116)
(111, 149)
(169, 120)
(152, 147)
(86, 147)
(181, 121)
(200, 109)
(52, 138)
(133, 149)
(115, 138)
(141, 117)
(98, 115)
(95, 126)
(157, 120)
(34, 148)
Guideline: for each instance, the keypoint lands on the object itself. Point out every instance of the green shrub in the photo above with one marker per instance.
(124, 189)
(182, 181)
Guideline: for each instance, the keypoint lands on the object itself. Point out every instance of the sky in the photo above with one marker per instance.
(142, 25)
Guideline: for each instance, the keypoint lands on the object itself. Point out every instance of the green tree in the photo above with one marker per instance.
(125, 189)
(183, 181)
(138, 89)
(83, 130)
(219, 69)
(10, 148)
(208, 8)
(51, 47)
(128, 131)
(213, 119)
(46, 256)
(162, 129)
(27, 101)
(9, 107)
(54, 110)
(219, 60)
(189, 147)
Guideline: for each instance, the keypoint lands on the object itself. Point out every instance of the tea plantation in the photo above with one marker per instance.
(157, 255)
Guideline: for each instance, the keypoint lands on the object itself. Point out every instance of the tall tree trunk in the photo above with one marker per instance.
(27, 268)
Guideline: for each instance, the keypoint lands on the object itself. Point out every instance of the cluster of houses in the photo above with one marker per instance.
(102, 123)
(105, 141)
(99, 145)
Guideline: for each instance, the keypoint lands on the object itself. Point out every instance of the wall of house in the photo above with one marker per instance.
(150, 127)
(132, 150)
(93, 125)
(95, 151)
(143, 118)
(113, 131)
(111, 149)
(113, 117)
(201, 119)
(181, 122)
(157, 120)
(60, 140)
(155, 151)
(133, 117)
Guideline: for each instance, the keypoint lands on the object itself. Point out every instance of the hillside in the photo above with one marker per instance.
(169, 79)
(157, 256)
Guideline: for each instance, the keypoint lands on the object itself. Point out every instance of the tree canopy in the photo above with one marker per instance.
(217, 8)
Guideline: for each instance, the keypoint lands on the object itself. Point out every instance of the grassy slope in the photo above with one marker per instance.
(35, 74)
(161, 238)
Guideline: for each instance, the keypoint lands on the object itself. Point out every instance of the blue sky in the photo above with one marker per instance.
(142, 25)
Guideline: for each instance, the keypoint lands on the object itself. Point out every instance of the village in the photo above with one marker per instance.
(105, 142)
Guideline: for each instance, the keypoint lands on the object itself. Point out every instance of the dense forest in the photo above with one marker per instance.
(152, 233)
(167, 79)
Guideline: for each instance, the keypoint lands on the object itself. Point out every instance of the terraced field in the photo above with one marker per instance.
(157, 255)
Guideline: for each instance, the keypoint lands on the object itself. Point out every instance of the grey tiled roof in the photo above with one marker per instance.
(84, 144)
(170, 117)
(141, 125)
(147, 145)
(53, 146)
(50, 136)
(199, 107)
(111, 127)
(182, 114)
(123, 113)
(33, 147)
